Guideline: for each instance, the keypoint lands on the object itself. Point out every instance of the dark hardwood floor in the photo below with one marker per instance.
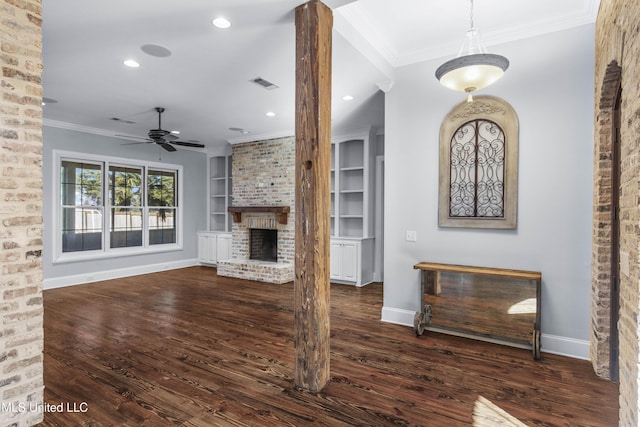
(188, 348)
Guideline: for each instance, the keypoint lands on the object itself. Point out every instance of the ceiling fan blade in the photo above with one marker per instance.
(135, 143)
(187, 144)
(168, 147)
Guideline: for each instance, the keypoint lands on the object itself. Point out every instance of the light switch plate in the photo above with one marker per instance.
(412, 236)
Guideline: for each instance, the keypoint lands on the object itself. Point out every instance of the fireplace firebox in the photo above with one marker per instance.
(263, 244)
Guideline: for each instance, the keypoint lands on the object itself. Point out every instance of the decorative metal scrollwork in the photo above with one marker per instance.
(477, 171)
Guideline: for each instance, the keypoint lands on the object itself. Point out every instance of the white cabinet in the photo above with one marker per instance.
(207, 248)
(219, 193)
(344, 259)
(223, 246)
(351, 261)
(213, 247)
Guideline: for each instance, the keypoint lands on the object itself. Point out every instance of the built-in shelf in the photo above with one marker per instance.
(219, 193)
(281, 212)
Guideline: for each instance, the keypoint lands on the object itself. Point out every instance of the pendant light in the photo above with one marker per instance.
(473, 68)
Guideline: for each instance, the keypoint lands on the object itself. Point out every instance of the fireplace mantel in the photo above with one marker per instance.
(281, 212)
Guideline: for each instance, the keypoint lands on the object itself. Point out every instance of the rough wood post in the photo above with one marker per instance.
(314, 21)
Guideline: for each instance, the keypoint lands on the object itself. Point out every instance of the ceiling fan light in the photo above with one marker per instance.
(472, 72)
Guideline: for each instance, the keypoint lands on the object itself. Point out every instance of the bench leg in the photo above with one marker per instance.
(536, 343)
(421, 320)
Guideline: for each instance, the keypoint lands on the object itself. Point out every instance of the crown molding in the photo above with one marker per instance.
(79, 128)
(102, 132)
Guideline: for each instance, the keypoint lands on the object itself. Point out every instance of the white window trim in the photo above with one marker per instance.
(106, 251)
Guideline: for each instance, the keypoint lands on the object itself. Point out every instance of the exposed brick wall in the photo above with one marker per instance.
(21, 329)
(618, 43)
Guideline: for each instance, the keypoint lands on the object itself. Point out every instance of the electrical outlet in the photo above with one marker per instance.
(412, 236)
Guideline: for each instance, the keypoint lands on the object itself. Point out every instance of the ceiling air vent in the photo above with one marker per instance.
(116, 119)
(264, 83)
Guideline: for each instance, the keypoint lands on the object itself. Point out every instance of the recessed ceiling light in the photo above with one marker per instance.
(131, 63)
(271, 114)
(347, 98)
(221, 22)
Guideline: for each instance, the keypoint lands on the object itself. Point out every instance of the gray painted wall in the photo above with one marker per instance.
(194, 199)
(554, 101)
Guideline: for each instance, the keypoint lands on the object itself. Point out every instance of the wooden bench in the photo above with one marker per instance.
(431, 285)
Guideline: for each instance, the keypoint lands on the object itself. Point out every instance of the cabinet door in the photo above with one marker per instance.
(335, 261)
(203, 252)
(223, 248)
(207, 248)
(350, 263)
(211, 247)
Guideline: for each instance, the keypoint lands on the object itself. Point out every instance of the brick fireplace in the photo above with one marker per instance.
(263, 191)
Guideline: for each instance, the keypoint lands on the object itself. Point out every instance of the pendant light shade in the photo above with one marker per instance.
(472, 72)
(473, 68)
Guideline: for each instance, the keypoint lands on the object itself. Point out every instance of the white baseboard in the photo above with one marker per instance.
(397, 316)
(570, 347)
(96, 276)
(564, 346)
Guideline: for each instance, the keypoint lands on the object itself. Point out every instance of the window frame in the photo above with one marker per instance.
(177, 180)
(130, 207)
(106, 251)
(500, 112)
(99, 206)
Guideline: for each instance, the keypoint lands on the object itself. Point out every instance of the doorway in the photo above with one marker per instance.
(606, 243)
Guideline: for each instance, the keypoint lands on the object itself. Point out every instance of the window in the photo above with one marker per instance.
(82, 210)
(162, 206)
(113, 207)
(125, 199)
(479, 165)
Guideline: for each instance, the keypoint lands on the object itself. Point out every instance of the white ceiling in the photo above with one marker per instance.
(204, 85)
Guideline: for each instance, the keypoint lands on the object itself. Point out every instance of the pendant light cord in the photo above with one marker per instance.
(471, 14)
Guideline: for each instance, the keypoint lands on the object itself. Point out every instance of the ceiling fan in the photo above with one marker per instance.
(166, 139)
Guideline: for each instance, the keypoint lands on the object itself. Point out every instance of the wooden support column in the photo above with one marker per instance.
(314, 22)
